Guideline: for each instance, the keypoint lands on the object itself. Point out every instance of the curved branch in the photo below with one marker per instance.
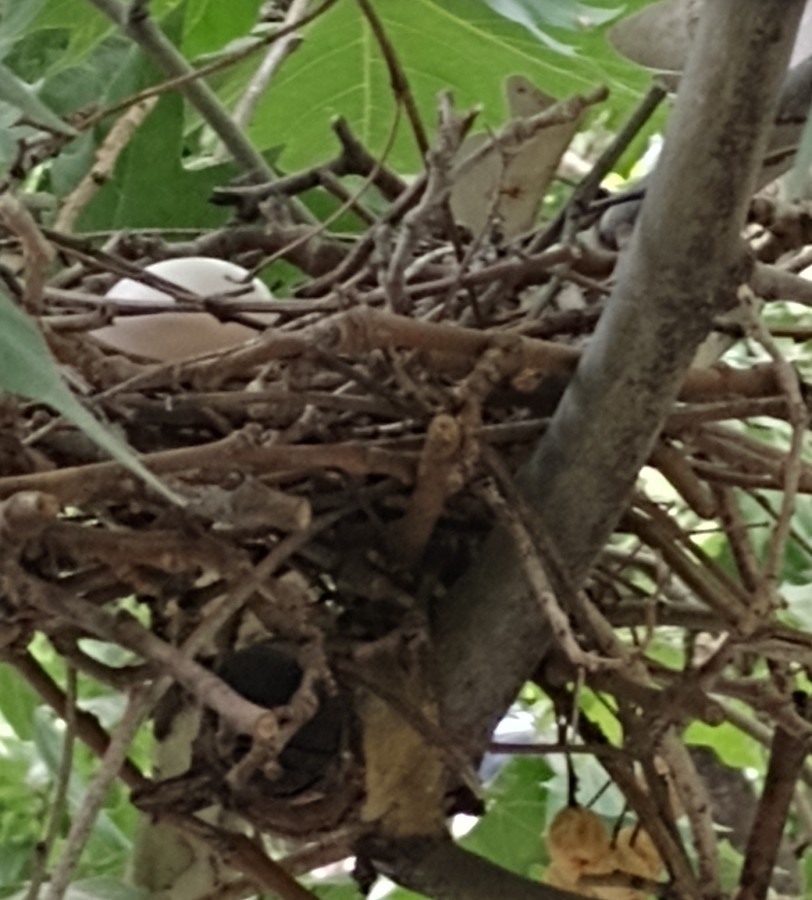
(445, 871)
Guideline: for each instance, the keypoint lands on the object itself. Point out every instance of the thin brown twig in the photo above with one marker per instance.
(438, 475)
(37, 252)
(76, 484)
(134, 714)
(88, 729)
(793, 467)
(321, 227)
(242, 854)
(242, 715)
(397, 77)
(112, 146)
(58, 805)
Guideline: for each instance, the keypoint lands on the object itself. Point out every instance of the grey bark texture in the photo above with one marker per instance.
(683, 266)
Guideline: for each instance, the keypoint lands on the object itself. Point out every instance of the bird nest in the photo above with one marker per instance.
(331, 479)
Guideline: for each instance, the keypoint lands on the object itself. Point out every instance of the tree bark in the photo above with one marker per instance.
(685, 261)
(684, 264)
(442, 869)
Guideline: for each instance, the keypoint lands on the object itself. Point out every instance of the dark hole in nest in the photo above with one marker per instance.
(269, 677)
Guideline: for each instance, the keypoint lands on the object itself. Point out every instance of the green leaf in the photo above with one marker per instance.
(84, 25)
(28, 369)
(22, 97)
(105, 889)
(346, 890)
(441, 44)
(732, 746)
(730, 866)
(807, 874)
(150, 187)
(17, 702)
(210, 24)
(509, 833)
(49, 739)
(15, 859)
(16, 19)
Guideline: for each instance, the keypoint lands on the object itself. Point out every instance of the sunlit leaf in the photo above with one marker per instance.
(211, 24)
(522, 12)
(510, 831)
(338, 70)
(732, 747)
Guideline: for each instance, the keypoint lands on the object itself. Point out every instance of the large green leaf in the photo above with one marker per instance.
(150, 187)
(28, 369)
(20, 807)
(508, 834)
(84, 27)
(15, 859)
(16, 19)
(441, 44)
(209, 25)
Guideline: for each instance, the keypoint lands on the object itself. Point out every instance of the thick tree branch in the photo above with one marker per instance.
(685, 259)
(443, 870)
(155, 43)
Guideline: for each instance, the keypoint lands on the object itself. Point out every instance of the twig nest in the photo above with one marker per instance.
(311, 787)
(166, 337)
